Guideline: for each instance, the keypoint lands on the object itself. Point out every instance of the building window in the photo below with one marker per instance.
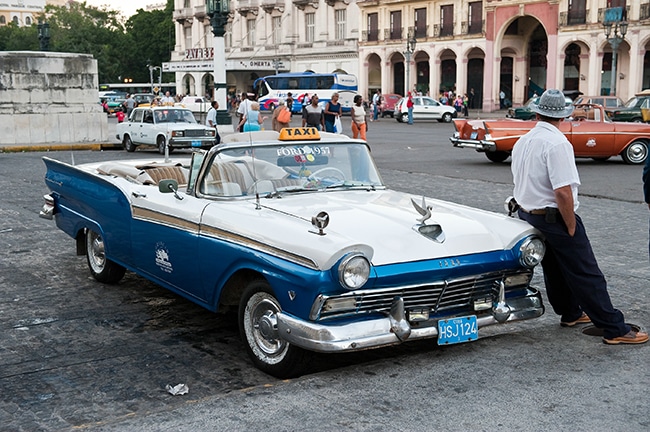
(577, 12)
(339, 16)
(310, 26)
(421, 23)
(3, 20)
(396, 25)
(187, 4)
(373, 27)
(187, 32)
(447, 20)
(475, 17)
(15, 20)
(250, 32)
(207, 30)
(277, 30)
(28, 21)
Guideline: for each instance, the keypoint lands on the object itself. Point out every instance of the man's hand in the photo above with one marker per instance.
(564, 199)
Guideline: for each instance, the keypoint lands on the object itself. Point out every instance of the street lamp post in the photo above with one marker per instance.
(614, 20)
(44, 36)
(218, 11)
(410, 49)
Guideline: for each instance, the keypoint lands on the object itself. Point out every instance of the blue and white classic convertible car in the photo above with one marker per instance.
(298, 232)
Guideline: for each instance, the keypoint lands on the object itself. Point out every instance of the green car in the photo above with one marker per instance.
(525, 113)
(631, 112)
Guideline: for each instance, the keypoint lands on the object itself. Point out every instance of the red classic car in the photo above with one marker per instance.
(597, 137)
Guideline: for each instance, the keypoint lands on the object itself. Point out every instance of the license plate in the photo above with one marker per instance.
(473, 135)
(196, 143)
(457, 330)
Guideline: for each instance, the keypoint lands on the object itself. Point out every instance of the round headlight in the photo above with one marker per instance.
(531, 252)
(354, 271)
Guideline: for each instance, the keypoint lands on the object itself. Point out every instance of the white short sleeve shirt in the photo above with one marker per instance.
(542, 161)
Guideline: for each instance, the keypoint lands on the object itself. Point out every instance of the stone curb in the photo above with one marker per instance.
(58, 147)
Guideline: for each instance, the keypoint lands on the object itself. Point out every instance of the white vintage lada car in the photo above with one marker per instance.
(297, 231)
(166, 128)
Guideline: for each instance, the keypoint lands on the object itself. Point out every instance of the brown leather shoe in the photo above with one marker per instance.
(632, 337)
(584, 319)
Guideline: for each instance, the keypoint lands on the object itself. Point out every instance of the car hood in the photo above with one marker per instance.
(382, 224)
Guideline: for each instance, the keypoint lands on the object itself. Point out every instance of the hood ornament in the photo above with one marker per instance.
(424, 210)
(320, 222)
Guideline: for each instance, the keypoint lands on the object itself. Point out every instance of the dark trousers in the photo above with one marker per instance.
(574, 282)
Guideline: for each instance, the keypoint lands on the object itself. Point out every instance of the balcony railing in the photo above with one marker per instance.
(570, 18)
(443, 31)
(421, 32)
(199, 11)
(393, 34)
(182, 14)
(472, 27)
(301, 4)
(270, 5)
(370, 35)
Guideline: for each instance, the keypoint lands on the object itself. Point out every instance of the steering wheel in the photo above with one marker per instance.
(315, 174)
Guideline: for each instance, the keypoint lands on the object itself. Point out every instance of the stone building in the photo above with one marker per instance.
(264, 36)
(22, 13)
(519, 47)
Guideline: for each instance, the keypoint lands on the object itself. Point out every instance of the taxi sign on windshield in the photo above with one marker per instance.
(299, 134)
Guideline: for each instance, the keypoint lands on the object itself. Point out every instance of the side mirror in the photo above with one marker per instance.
(169, 186)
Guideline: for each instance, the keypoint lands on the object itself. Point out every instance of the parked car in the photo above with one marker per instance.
(313, 250)
(164, 127)
(524, 112)
(631, 112)
(598, 139)
(143, 99)
(424, 108)
(113, 104)
(196, 104)
(608, 102)
(388, 104)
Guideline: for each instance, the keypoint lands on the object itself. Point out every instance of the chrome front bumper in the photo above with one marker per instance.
(478, 145)
(392, 329)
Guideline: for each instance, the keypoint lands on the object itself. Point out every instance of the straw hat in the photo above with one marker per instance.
(552, 104)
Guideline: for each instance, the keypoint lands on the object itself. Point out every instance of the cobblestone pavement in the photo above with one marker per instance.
(76, 354)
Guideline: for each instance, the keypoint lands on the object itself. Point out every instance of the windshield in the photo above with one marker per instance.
(631, 103)
(174, 116)
(276, 169)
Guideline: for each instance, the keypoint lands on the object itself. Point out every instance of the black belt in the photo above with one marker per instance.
(534, 212)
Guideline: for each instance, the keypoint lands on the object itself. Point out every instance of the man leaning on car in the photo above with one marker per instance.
(211, 120)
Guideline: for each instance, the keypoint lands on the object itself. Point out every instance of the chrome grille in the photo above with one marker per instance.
(195, 133)
(437, 296)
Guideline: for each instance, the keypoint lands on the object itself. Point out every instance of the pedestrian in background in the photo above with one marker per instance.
(409, 106)
(290, 102)
(211, 120)
(313, 115)
(244, 107)
(281, 116)
(546, 188)
(376, 101)
(252, 121)
(358, 114)
(129, 104)
(332, 111)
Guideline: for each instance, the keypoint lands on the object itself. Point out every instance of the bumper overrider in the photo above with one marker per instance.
(478, 145)
(395, 328)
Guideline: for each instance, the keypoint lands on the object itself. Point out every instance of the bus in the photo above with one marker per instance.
(137, 88)
(271, 89)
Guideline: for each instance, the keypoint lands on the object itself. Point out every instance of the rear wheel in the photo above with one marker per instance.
(128, 144)
(258, 311)
(497, 156)
(403, 118)
(446, 117)
(636, 152)
(102, 269)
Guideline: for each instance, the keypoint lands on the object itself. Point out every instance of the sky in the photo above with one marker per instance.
(127, 7)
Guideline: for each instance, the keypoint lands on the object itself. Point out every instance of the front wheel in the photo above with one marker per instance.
(497, 156)
(161, 145)
(128, 144)
(258, 328)
(102, 269)
(635, 153)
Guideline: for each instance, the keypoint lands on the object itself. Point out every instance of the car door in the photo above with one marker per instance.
(147, 132)
(165, 233)
(435, 108)
(418, 109)
(591, 138)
